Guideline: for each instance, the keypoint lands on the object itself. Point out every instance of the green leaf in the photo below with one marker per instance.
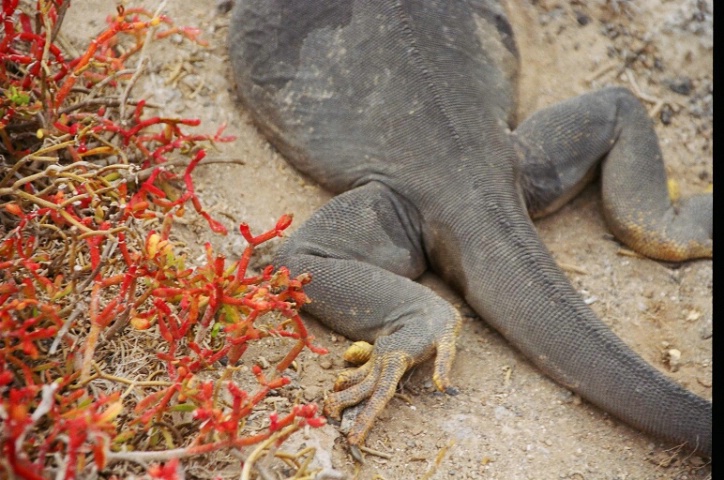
(18, 97)
(183, 407)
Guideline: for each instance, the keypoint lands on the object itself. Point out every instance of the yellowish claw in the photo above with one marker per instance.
(358, 353)
(674, 190)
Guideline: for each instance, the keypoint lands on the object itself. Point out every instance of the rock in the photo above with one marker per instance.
(682, 85)
(582, 19)
(262, 362)
(312, 393)
(502, 413)
(223, 6)
(667, 113)
(672, 358)
(706, 330)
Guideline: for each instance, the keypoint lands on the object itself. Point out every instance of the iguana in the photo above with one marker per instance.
(406, 109)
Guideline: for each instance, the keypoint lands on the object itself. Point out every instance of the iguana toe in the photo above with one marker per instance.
(352, 376)
(444, 359)
(358, 353)
(378, 382)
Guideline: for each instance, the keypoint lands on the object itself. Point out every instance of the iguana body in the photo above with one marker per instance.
(407, 107)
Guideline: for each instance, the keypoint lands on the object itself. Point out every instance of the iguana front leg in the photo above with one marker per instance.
(362, 249)
(560, 147)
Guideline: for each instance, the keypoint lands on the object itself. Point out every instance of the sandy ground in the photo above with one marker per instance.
(509, 421)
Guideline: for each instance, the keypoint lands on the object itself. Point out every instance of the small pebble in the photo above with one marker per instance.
(582, 19)
(666, 114)
(312, 393)
(673, 359)
(263, 362)
(682, 86)
(224, 6)
(590, 300)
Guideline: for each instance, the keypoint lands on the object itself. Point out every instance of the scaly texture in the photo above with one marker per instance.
(407, 107)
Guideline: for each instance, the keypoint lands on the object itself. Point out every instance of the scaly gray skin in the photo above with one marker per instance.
(407, 107)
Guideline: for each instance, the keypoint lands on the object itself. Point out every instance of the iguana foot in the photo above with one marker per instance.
(376, 381)
(683, 232)
(612, 126)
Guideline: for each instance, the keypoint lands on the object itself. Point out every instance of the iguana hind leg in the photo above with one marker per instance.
(560, 147)
(363, 250)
